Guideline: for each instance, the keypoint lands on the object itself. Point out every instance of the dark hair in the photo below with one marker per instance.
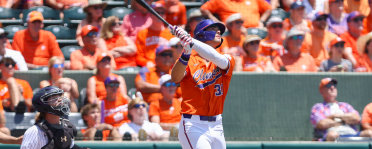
(85, 111)
(39, 116)
(365, 47)
(6, 59)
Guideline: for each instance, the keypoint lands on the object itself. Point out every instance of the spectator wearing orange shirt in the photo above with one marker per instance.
(233, 43)
(367, 22)
(86, 58)
(192, 20)
(96, 87)
(364, 46)
(357, 5)
(6, 3)
(94, 11)
(251, 60)
(272, 46)
(149, 39)
(175, 12)
(296, 19)
(91, 115)
(165, 112)
(15, 94)
(367, 117)
(3, 129)
(336, 63)
(69, 86)
(65, 4)
(36, 45)
(294, 60)
(355, 24)
(121, 47)
(254, 11)
(316, 41)
(115, 105)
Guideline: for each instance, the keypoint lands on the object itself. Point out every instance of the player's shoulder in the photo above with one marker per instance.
(33, 131)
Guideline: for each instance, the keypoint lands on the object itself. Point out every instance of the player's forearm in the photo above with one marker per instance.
(178, 72)
(210, 54)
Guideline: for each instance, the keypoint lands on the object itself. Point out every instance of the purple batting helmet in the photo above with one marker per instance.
(202, 35)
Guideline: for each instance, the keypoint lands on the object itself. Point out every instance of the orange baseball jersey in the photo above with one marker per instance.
(205, 87)
(100, 85)
(251, 10)
(116, 112)
(229, 42)
(364, 64)
(351, 42)
(105, 134)
(121, 62)
(168, 113)
(288, 25)
(176, 18)
(317, 46)
(250, 64)
(37, 52)
(367, 114)
(152, 76)
(303, 63)
(4, 91)
(147, 41)
(82, 56)
(266, 50)
(357, 5)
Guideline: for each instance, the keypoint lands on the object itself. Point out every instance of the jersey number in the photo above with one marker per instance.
(219, 89)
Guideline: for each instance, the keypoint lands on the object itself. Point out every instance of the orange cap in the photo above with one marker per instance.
(86, 29)
(102, 56)
(35, 15)
(325, 81)
(337, 40)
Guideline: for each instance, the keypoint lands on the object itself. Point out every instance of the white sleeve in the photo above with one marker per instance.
(34, 138)
(210, 54)
(72, 143)
(125, 128)
(157, 129)
(21, 63)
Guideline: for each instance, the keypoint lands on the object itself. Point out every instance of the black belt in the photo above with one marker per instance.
(202, 118)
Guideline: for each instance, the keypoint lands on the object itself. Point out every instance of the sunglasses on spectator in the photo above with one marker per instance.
(105, 60)
(115, 23)
(165, 54)
(58, 65)
(254, 42)
(329, 85)
(277, 26)
(7, 64)
(97, 7)
(238, 22)
(356, 20)
(339, 45)
(321, 19)
(91, 34)
(113, 84)
(297, 37)
(169, 84)
(139, 105)
(3, 36)
(177, 47)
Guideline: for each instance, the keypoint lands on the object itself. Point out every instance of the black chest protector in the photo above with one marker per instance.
(58, 138)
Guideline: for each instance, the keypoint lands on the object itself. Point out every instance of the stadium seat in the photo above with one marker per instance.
(7, 15)
(73, 16)
(112, 4)
(256, 31)
(120, 12)
(50, 15)
(83, 97)
(12, 29)
(188, 12)
(67, 50)
(35, 90)
(280, 13)
(62, 32)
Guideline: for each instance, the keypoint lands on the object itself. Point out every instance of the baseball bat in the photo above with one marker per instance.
(146, 6)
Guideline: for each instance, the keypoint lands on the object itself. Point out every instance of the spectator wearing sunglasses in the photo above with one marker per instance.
(165, 112)
(316, 41)
(332, 118)
(192, 20)
(147, 79)
(149, 39)
(96, 87)
(366, 23)
(15, 94)
(139, 125)
(233, 43)
(296, 19)
(94, 11)
(136, 21)
(294, 60)
(272, 45)
(35, 44)
(175, 12)
(5, 51)
(115, 106)
(364, 46)
(176, 47)
(91, 115)
(336, 63)
(251, 60)
(355, 24)
(86, 58)
(357, 5)
(69, 86)
(337, 18)
(122, 48)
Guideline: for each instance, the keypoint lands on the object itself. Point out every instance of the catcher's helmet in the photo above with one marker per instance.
(56, 106)
(202, 35)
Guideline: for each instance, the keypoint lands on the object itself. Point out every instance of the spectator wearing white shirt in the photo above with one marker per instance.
(15, 55)
(137, 113)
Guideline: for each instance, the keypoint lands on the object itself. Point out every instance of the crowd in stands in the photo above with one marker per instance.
(316, 36)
